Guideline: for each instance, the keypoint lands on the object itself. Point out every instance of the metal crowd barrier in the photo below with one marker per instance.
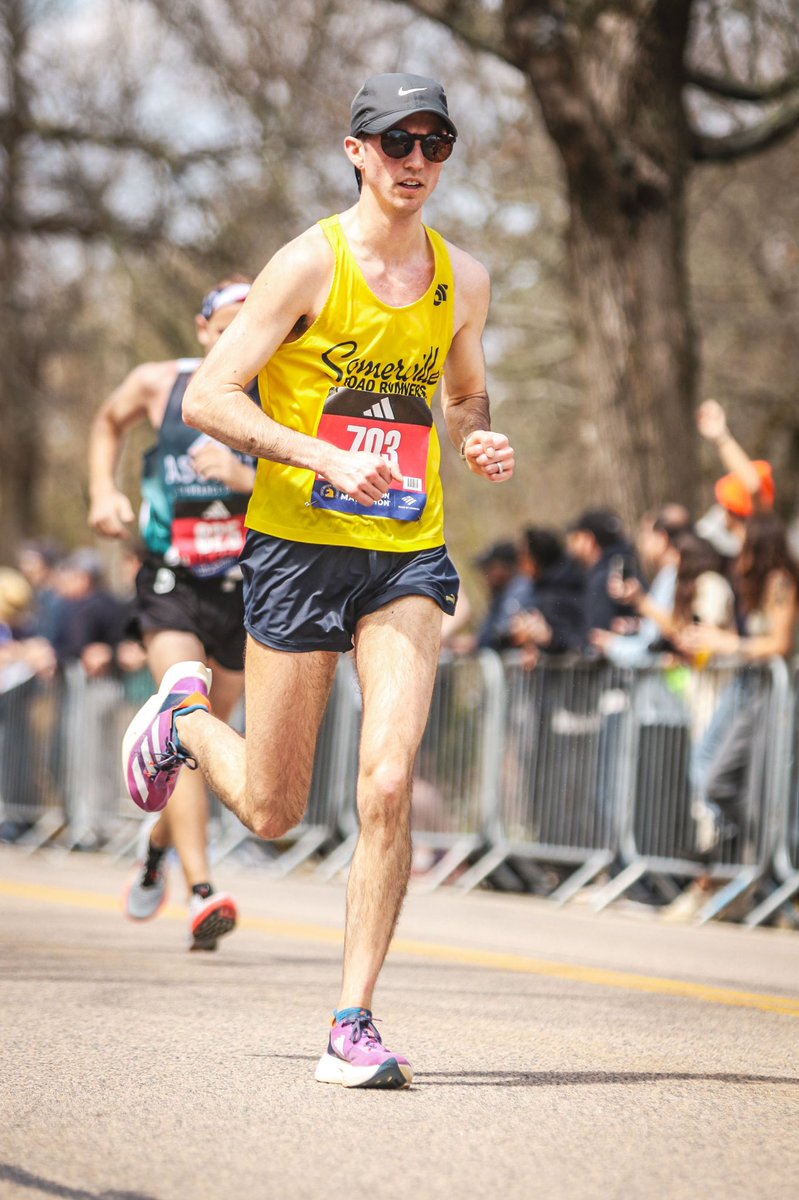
(59, 758)
(679, 718)
(577, 765)
(784, 740)
(30, 796)
(566, 729)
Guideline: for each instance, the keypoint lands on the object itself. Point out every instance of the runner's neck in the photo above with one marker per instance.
(396, 257)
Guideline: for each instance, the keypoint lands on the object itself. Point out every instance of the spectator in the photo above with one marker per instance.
(728, 762)
(38, 562)
(89, 624)
(748, 487)
(23, 661)
(554, 621)
(701, 595)
(767, 578)
(660, 557)
(508, 591)
(21, 657)
(597, 540)
(90, 628)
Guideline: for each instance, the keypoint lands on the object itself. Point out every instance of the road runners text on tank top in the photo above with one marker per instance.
(362, 377)
(189, 521)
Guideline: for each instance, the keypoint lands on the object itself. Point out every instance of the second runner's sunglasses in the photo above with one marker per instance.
(398, 143)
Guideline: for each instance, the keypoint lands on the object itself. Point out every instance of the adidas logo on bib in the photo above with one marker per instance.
(216, 511)
(382, 411)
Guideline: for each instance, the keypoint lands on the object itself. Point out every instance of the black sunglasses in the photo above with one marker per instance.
(398, 143)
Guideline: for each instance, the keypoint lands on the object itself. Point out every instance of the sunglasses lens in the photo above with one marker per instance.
(396, 143)
(436, 148)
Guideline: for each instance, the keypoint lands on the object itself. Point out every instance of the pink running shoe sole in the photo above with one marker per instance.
(356, 1056)
(149, 795)
(389, 1075)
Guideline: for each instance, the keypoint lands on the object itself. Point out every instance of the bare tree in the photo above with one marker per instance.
(81, 166)
(625, 90)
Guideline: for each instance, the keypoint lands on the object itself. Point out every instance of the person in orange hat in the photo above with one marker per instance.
(747, 488)
(735, 497)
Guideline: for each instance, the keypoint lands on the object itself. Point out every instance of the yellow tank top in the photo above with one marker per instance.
(362, 377)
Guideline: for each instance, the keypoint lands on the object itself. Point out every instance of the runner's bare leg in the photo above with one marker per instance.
(265, 779)
(397, 658)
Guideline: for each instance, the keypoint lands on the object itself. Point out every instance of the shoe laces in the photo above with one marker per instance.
(173, 757)
(363, 1028)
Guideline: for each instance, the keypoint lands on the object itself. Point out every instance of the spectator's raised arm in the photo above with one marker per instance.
(711, 421)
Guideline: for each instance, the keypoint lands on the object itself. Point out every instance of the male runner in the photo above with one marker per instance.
(350, 329)
(189, 589)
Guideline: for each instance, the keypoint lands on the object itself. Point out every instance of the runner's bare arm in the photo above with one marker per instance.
(464, 395)
(142, 395)
(293, 285)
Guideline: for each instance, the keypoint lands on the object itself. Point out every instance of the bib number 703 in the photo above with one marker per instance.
(371, 439)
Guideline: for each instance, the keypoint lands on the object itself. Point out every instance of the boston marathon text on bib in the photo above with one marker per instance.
(362, 378)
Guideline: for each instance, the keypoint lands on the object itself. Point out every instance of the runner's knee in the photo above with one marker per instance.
(272, 813)
(384, 793)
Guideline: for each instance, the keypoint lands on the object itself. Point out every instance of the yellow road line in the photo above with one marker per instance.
(490, 959)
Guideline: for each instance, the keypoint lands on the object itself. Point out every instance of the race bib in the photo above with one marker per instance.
(394, 426)
(207, 538)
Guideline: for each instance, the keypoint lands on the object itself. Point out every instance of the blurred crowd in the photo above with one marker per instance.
(722, 585)
(60, 624)
(56, 609)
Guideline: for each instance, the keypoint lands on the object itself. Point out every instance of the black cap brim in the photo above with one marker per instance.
(388, 120)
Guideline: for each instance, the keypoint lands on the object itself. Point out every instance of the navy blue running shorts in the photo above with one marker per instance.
(300, 597)
(175, 599)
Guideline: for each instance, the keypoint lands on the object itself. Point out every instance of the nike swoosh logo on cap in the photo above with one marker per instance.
(407, 91)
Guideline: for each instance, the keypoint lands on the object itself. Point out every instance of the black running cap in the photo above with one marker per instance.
(385, 99)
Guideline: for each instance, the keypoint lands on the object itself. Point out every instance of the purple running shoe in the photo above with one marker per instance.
(356, 1057)
(151, 751)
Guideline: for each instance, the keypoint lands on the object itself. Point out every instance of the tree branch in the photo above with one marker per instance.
(733, 89)
(475, 25)
(541, 38)
(86, 227)
(744, 142)
(122, 139)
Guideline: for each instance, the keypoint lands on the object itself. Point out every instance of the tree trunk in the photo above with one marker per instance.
(637, 352)
(20, 452)
(611, 97)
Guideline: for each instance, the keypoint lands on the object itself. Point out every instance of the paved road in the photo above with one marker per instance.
(558, 1054)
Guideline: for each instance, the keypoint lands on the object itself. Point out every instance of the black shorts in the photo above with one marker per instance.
(212, 609)
(300, 597)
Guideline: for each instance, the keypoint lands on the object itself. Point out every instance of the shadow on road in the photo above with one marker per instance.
(584, 1078)
(48, 1187)
(566, 1078)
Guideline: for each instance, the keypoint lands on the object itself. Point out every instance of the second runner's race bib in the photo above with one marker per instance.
(394, 426)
